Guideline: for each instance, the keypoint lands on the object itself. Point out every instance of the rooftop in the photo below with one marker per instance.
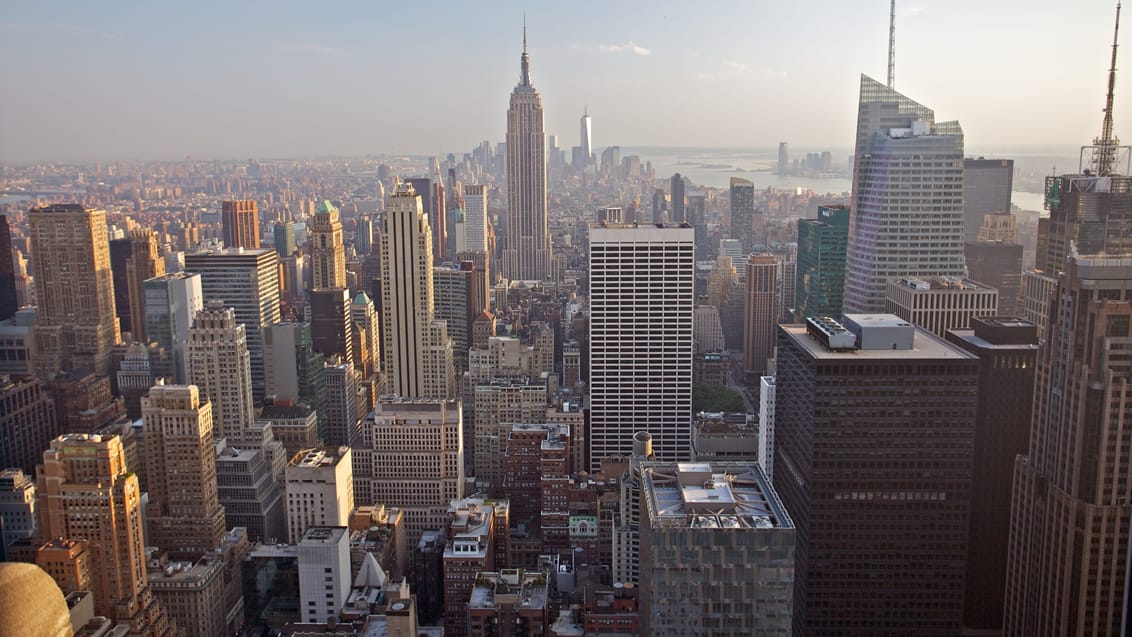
(924, 346)
(323, 534)
(733, 495)
(940, 283)
(510, 587)
(320, 457)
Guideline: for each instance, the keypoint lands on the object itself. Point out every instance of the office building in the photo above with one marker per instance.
(320, 490)
(1007, 350)
(1068, 550)
(998, 265)
(70, 563)
(332, 323)
(783, 158)
(411, 457)
(76, 326)
(760, 313)
(707, 335)
(499, 404)
(324, 573)
(940, 304)
(184, 516)
(284, 233)
(587, 140)
(509, 603)
(17, 506)
(133, 260)
(477, 537)
(820, 279)
(366, 330)
(240, 224)
(717, 551)
(999, 227)
(475, 218)
(27, 422)
(767, 396)
(202, 594)
(452, 289)
(294, 425)
(861, 411)
(642, 282)
(743, 213)
(416, 347)
(171, 303)
(987, 187)
(250, 494)
(677, 214)
(907, 203)
(526, 251)
(342, 406)
(247, 281)
(327, 251)
(87, 492)
(294, 369)
(218, 364)
(9, 300)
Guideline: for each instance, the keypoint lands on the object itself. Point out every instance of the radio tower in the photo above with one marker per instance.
(1106, 145)
(892, 45)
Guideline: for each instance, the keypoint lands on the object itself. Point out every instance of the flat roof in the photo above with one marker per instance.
(924, 346)
(722, 495)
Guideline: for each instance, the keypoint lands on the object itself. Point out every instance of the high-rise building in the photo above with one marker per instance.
(27, 422)
(17, 506)
(999, 227)
(940, 304)
(475, 218)
(184, 516)
(907, 204)
(767, 395)
(171, 303)
(760, 314)
(642, 295)
(320, 490)
(783, 158)
(1007, 349)
(1069, 521)
(340, 408)
(587, 143)
(248, 281)
(87, 492)
(987, 187)
(9, 301)
(743, 213)
(717, 551)
(294, 369)
(324, 573)
(327, 251)
(864, 501)
(240, 224)
(416, 347)
(473, 529)
(999, 265)
(250, 494)
(676, 188)
(452, 289)
(526, 253)
(367, 342)
(133, 260)
(218, 364)
(332, 323)
(284, 232)
(820, 279)
(76, 326)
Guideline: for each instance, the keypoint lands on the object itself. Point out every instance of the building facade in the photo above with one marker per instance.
(819, 287)
(239, 222)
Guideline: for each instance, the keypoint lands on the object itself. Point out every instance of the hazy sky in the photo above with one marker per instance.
(135, 79)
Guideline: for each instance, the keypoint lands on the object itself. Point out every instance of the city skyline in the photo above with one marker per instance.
(303, 76)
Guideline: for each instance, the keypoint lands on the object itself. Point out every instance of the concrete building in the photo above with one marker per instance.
(1007, 350)
(474, 530)
(294, 371)
(203, 595)
(17, 344)
(412, 458)
(27, 422)
(320, 490)
(678, 214)
(71, 563)
(499, 405)
(17, 506)
(475, 218)
(183, 516)
(452, 289)
(940, 304)
(342, 410)
(332, 323)
(852, 491)
(171, 303)
(284, 235)
(294, 425)
(819, 286)
(642, 292)
(327, 251)
(987, 187)
(906, 166)
(246, 280)
(76, 326)
(324, 573)
(760, 313)
(526, 249)
(767, 405)
(133, 260)
(508, 603)
(717, 551)
(367, 336)
(239, 221)
(707, 334)
(250, 494)
(219, 364)
(997, 265)
(416, 347)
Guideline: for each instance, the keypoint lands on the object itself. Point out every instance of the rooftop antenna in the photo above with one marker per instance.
(525, 74)
(1106, 145)
(892, 45)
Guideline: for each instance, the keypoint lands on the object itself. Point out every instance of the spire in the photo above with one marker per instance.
(1105, 154)
(892, 45)
(525, 61)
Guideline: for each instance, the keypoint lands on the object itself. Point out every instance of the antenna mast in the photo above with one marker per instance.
(1106, 144)
(892, 45)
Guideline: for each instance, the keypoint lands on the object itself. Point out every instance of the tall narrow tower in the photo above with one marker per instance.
(328, 254)
(219, 365)
(239, 222)
(526, 255)
(892, 45)
(134, 259)
(587, 135)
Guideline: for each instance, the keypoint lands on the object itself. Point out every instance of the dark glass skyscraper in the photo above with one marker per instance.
(677, 204)
(820, 280)
(8, 301)
(987, 186)
(743, 212)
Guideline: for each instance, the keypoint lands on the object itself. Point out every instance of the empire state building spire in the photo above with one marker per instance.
(525, 60)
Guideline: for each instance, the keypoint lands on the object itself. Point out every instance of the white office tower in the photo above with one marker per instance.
(320, 490)
(766, 425)
(526, 254)
(587, 140)
(219, 364)
(418, 353)
(324, 573)
(475, 218)
(642, 293)
(907, 218)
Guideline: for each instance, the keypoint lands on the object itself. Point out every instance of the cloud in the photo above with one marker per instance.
(320, 49)
(59, 29)
(628, 47)
(730, 69)
(735, 66)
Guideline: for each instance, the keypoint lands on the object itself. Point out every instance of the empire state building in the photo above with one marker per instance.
(526, 253)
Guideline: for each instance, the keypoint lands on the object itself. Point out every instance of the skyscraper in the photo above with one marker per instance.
(327, 252)
(247, 281)
(526, 253)
(284, 232)
(218, 364)
(418, 352)
(676, 188)
(87, 491)
(27, 422)
(987, 187)
(475, 218)
(332, 324)
(743, 212)
(587, 137)
(76, 326)
(184, 515)
(642, 294)
(783, 158)
(171, 303)
(133, 260)
(760, 314)
(907, 217)
(240, 224)
(9, 302)
(820, 278)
